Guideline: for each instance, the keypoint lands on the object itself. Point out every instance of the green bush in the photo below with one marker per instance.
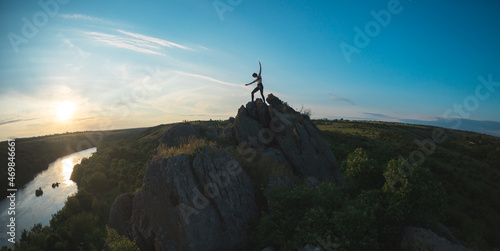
(414, 195)
(362, 172)
(117, 242)
(299, 216)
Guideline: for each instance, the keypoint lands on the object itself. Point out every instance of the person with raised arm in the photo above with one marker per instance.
(260, 87)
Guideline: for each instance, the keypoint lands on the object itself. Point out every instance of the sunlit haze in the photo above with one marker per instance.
(69, 65)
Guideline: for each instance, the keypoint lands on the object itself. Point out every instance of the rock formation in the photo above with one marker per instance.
(201, 204)
(205, 200)
(280, 126)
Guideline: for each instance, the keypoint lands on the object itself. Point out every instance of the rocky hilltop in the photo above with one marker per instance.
(205, 200)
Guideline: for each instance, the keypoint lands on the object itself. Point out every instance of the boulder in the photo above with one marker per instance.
(227, 134)
(120, 212)
(309, 247)
(179, 133)
(246, 128)
(203, 204)
(421, 239)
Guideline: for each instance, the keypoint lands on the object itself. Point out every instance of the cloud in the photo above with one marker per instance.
(379, 115)
(14, 121)
(340, 99)
(154, 40)
(209, 79)
(87, 18)
(136, 42)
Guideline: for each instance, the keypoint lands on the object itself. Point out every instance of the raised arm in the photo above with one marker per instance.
(260, 68)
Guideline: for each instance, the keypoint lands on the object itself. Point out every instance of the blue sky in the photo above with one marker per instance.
(70, 65)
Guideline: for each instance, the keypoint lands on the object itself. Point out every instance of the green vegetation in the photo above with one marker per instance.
(456, 183)
(117, 242)
(467, 165)
(362, 214)
(117, 167)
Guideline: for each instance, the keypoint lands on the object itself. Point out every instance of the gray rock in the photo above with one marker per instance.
(180, 133)
(268, 249)
(310, 247)
(211, 133)
(447, 234)
(311, 182)
(275, 155)
(280, 126)
(246, 128)
(421, 239)
(278, 181)
(203, 205)
(227, 134)
(120, 212)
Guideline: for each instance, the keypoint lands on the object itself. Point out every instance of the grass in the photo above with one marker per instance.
(190, 146)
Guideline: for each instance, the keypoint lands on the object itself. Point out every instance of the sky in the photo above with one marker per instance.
(72, 65)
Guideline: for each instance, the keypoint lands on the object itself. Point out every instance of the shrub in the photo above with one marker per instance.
(81, 224)
(414, 195)
(362, 172)
(118, 242)
(299, 216)
(98, 182)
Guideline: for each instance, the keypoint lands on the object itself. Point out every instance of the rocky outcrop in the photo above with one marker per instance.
(120, 212)
(422, 239)
(203, 204)
(179, 134)
(205, 201)
(280, 126)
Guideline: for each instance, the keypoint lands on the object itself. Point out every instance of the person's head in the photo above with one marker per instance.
(254, 75)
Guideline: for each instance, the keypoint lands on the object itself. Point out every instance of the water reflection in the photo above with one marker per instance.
(68, 165)
(31, 209)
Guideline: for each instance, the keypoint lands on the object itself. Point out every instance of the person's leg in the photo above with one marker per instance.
(262, 93)
(254, 91)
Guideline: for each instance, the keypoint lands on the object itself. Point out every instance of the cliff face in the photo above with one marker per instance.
(205, 201)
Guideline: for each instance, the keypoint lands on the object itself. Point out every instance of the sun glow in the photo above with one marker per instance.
(65, 110)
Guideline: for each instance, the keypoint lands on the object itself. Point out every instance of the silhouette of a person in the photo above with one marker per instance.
(260, 87)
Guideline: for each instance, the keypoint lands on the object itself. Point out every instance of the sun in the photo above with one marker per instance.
(65, 110)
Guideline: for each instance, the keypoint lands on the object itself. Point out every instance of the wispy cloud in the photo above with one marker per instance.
(154, 40)
(87, 18)
(3, 122)
(126, 43)
(209, 79)
(379, 115)
(340, 99)
(136, 42)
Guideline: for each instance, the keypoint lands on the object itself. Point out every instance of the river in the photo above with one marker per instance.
(30, 209)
